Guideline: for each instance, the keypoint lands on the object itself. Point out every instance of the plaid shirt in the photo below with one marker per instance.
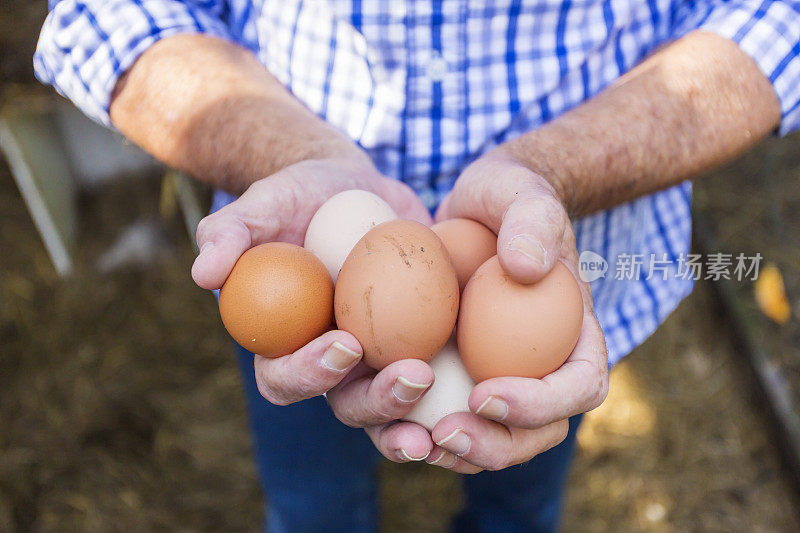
(427, 86)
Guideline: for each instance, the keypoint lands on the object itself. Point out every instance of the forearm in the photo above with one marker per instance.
(208, 107)
(688, 108)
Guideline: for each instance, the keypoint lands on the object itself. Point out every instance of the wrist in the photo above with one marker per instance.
(338, 148)
(267, 151)
(358, 169)
(532, 154)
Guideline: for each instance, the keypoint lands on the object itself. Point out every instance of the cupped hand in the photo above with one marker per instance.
(279, 208)
(514, 419)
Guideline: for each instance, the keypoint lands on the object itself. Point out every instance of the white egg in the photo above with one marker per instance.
(449, 393)
(340, 223)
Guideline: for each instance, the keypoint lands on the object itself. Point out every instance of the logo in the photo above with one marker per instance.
(592, 266)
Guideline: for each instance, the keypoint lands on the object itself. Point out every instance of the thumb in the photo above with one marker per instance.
(221, 242)
(521, 207)
(531, 234)
(443, 211)
(403, 200)
(222, 237)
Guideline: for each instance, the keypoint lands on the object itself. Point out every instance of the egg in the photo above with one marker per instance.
(509, 329)
(277, 298)
(469, 243)
(340, 222)
(397, 293)
(450, 390)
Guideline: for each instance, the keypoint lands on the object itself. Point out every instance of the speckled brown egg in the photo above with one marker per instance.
(277, 298)
(506, 328)
(469, 243)
(397, 293)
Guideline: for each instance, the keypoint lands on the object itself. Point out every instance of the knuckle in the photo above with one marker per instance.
(500, 459)
(269, 394)
(345, 416)
(595, 388)
(281, 401)
(560, 434)
(347, 411)
(599, 388)
(308, 385)
(377, 412)
(536, 419)
(463, 467)
(203, 227)
(261, 384)
(268, 389)
(602, 390)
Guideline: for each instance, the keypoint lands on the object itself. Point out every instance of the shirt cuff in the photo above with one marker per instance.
(769, 32)
(84, 47)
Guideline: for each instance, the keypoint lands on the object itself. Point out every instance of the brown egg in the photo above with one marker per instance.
(509, 329)
(469, 243)
(277, 298)
(397, 293)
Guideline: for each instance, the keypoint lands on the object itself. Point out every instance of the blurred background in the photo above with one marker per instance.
(120, 405)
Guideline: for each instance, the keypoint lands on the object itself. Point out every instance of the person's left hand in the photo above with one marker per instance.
(514, 419)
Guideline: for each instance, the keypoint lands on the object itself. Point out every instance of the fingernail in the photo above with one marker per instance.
(445, 460)
(530, 247)
(494, 408)
(405, 457)
(456, 442)
(407, 391)
(206, 248)
(338, 357)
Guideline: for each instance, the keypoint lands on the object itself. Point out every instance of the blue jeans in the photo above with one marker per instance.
(319, 475)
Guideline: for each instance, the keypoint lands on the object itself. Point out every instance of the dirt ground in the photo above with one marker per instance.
(120, 406)
(753, 207)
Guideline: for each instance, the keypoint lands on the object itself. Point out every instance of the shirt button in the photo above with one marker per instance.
(436, 67)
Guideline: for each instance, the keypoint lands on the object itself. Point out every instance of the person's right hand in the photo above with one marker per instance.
(279, 208)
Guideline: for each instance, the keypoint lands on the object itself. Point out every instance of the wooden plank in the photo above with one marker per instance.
(41, 169)
(190, 198)
(53, 151)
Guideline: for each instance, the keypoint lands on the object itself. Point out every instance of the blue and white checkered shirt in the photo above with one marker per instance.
(426, 86)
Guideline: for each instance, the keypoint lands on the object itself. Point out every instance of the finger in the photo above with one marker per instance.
(404, 201)
(224, 236)
(444, 459)
(443, 211)
(270, 210)
(493, 446)
(521, 207)
(310, 371)
(579, 385)
(220, 247)
(531, 236)
(487, 187)
(388, 395)
(401, 442)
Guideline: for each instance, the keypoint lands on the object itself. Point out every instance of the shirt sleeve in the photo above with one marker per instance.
(766, 30)
(85, 46)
